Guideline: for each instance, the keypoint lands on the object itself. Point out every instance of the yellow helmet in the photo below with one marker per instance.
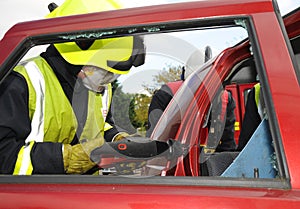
(116, 55)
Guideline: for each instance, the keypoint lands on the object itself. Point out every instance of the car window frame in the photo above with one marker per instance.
(282, 183)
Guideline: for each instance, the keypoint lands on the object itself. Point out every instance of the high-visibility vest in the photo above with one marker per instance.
(259, 101)
(51, 114)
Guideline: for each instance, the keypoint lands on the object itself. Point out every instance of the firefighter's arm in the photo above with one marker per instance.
(80, 158)
(19, 157)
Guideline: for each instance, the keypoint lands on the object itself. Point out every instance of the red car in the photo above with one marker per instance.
(250, 43)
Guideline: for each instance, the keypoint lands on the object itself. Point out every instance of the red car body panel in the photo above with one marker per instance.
(142, 196)
(89, 192)
(130, 17)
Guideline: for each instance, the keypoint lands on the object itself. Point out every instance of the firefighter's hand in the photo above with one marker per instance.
(77, 158)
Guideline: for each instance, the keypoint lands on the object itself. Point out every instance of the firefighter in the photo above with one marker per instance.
(55, 107)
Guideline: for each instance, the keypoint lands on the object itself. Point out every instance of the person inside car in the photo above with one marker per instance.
(254, 113)
(164, 95)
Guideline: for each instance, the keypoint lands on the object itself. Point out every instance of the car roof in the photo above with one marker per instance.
(48, 28)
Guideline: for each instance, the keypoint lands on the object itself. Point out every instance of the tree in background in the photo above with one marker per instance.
(130, 111)
(122, 108)
(168, 74)
(141, 106)
(172, 73)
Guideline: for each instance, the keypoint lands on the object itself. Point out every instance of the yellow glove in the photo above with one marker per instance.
(77, 158)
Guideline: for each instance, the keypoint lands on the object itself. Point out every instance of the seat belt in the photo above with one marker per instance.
(217, 125)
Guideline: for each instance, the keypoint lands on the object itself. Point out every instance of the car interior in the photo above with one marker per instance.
(249, 162)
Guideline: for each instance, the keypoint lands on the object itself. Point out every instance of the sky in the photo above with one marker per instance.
(14, 11)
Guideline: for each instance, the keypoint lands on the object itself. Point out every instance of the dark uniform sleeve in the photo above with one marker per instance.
(227, 142)
(47, 158)
(158, 104)
(15, 126)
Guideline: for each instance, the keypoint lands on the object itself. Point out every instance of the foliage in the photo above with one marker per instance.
(141, 105)
(122, 108)
(168, 74)
(130, 111)
(172, 73)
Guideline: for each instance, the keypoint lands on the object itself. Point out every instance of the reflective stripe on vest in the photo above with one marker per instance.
(106, 100)
(23, 165)
(37, 122)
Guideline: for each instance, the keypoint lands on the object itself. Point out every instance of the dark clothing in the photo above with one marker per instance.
(164, 95)
(15, 124)
(250, 122)
(160, 100)
(227, 142)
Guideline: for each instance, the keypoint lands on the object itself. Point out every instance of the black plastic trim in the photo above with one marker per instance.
(155, 180)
